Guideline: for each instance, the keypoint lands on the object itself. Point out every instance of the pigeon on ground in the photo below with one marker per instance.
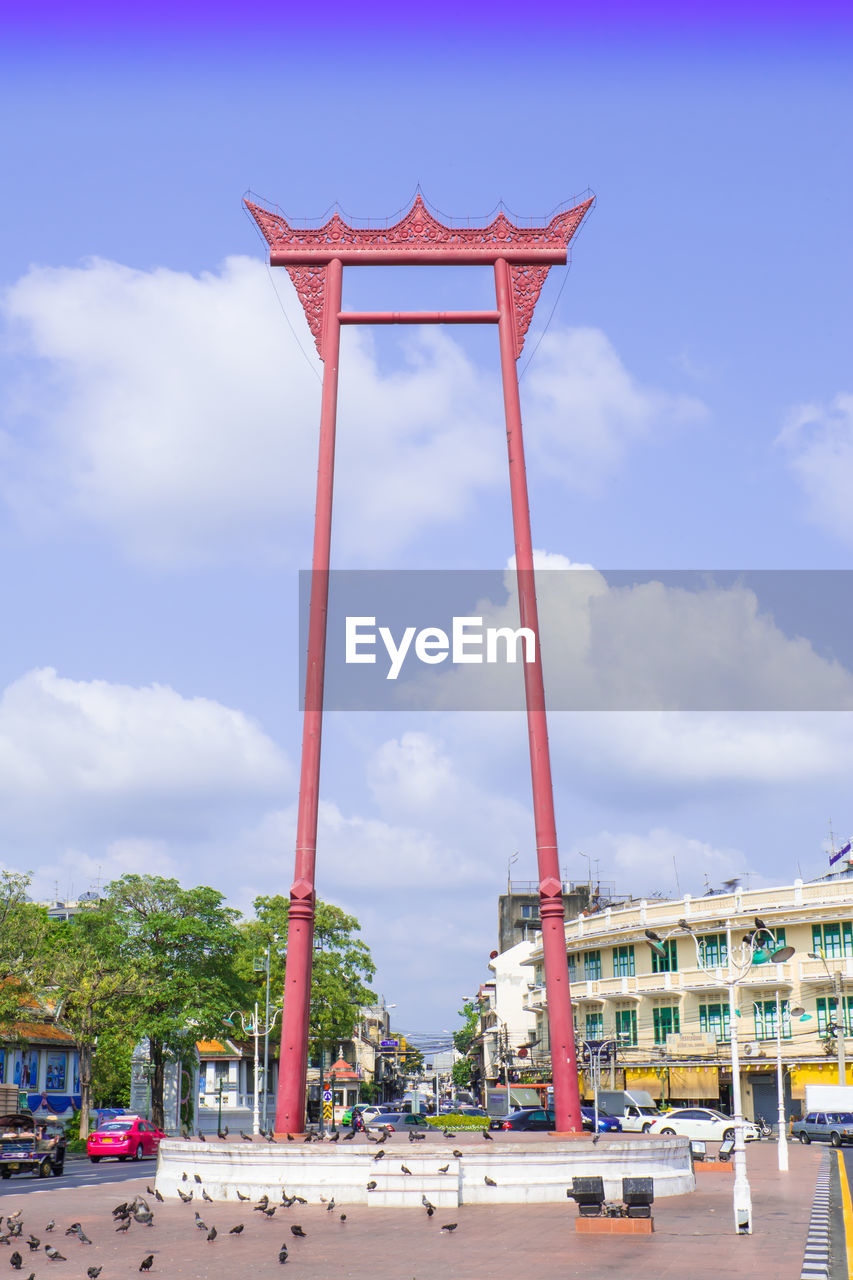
(93, 1272)
(444, 1168)
(330, 1206)
(118, 1212)
(34, 1243)
(145, 1216)
(334, 1137)
(270, 1212)
(449, 1226)
(490, 1182)
(297, 1231)
(54, 1254)
(405, 1170)
(487, 1136)
(16, 1261)
(202, 1226)
(240, 1195)
(416, 1137)
(124, 1225)
(426, 1204)
(157, 1196)
(380, 1155)
(186, 1197)
(235, 1231)
(147, 1263)
(371, 1186)
(50, 1225)
(290, 1137)
(212, 1233)
(457, 1153)
(348, 1137)
(262, 1204)
(282, 1254)
(201, 1138)
(206, 1197)
(343, 1217)
(197, 1177)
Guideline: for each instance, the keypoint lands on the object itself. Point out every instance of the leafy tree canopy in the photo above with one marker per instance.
(341, 967)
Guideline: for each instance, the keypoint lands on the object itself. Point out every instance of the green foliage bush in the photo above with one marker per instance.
(454, 1121)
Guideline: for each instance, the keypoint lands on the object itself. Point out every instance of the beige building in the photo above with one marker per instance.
(669, 1014)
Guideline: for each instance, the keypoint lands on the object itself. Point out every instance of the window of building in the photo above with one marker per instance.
(539, 973)
(527, 913)
(623, 962)
(626, 1026)
(594, 1025)
(713, 950)
(668, 962)
(765, 1019)
(591, 965)
(55, 1072)
(666, 1023)
(826, 1013)
(834, 940)
(714, 1021)
(30, 1070)
(573, 972)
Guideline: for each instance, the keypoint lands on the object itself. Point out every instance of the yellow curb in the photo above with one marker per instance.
(847, 1209)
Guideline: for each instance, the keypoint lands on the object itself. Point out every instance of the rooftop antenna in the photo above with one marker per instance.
(675, 867)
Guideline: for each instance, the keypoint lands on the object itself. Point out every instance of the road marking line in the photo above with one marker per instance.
(847, 1209)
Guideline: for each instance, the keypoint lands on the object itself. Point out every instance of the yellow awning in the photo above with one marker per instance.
(813, 1073)
(694, 1082)
(638, 1078)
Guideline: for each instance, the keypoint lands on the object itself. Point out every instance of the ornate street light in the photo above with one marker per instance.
(749, 953)
(253, 1027)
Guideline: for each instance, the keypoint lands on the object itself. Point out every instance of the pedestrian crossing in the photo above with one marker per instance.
(816, 1255)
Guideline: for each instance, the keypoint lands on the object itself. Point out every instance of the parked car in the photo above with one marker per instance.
(465, 1110)
(399, 1120)
(606, 1122)
(126, 1136)
(824, 1126)
(529, 1119)
(700, 1122)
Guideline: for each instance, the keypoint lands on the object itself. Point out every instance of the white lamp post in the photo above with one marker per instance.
(252, 1027)
(749, 953)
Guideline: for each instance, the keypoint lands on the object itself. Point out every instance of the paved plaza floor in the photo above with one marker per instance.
(694, 1235)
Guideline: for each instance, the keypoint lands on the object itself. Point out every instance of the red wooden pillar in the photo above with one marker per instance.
(293, 1063)
(563, 1063)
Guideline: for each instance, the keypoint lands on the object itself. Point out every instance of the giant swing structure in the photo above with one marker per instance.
(314, 258)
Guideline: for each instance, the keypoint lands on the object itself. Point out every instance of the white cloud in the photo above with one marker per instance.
(120, 764)
(662, 861)
(819, 442)
(586, 410)
(177, 414)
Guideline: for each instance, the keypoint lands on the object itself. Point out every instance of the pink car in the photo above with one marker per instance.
(124, 1137)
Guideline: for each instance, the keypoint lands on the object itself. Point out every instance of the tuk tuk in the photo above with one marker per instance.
(31, 1145)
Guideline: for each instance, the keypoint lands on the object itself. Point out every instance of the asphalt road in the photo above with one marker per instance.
(79, 1173)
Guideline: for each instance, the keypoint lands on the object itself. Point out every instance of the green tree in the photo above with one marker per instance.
(184, 943)
(341, 967)
(463, 1069)
(23, 928)
(96, 985)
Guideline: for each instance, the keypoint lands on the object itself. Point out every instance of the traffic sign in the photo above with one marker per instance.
(327, 1095)
(389, 1044)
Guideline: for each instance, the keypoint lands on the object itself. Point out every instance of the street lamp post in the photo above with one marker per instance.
(840, 1014)
(252, 1028)
(750, 952)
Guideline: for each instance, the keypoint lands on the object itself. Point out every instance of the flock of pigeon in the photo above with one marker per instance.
(139, 1211)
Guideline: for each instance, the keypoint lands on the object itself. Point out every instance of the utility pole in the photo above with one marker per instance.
(840, 1027)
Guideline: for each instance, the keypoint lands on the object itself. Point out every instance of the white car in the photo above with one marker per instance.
(699, 1122)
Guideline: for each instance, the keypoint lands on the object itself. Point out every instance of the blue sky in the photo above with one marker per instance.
(690, 407)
